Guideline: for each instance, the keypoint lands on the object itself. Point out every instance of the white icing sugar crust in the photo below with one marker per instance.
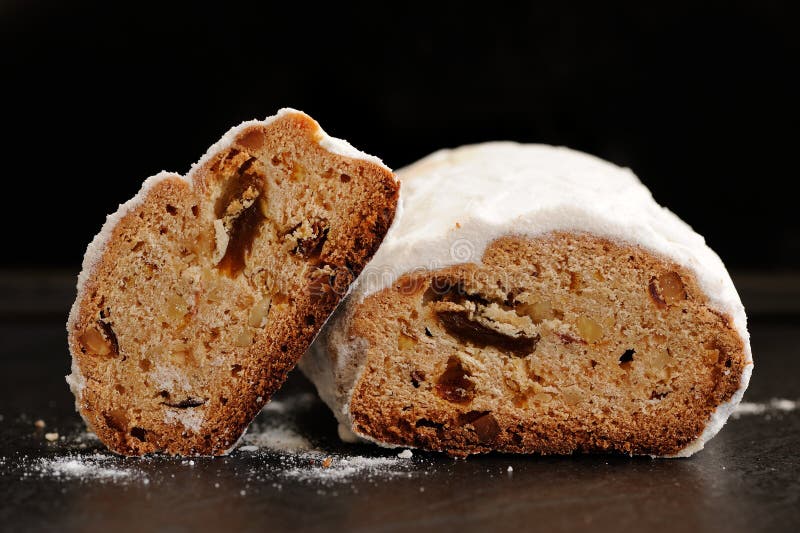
(96, 247)
(454, 202)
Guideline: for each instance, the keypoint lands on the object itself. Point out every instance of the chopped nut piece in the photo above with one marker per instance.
(51, 437)
(259, 313)
(96, 342)
(572, 395)
(712, 356)
(244, 338)
(406, 342)
(658, 367)
(326, 463)
(214, 287)
(298, 173)
(542, 398)
(321, 285)
(538, 311)
(177, 308)
(589, 330)
(39, 424)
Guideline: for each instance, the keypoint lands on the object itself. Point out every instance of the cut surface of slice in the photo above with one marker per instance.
(556, 344)
(201, 293)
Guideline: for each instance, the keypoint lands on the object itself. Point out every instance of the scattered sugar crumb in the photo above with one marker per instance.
(782, 404)
(292, 458)
(510, 469)
(39, 424)
(84, 468)
(774, 405)
(281, 438)
(345, 468)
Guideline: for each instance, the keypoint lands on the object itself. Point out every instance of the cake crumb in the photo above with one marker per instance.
(39, 424)
(405, 454)
(326, 463)
(52, 437)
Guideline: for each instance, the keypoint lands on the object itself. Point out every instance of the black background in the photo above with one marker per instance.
(701, 101)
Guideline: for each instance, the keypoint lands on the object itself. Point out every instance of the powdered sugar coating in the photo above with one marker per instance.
(97, 246)
(461, 200)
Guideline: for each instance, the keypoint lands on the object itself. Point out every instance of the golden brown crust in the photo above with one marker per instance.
(564, 343)
(209, 291)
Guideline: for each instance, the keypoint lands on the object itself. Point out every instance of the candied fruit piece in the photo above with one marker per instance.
(453, 385)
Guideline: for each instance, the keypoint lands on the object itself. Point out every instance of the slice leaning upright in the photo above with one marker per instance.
(200, 294)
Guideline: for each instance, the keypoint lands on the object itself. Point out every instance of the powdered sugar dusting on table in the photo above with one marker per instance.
(773, 406)
(93, 467)
(278, 449)
(276, 434)
(281, 438)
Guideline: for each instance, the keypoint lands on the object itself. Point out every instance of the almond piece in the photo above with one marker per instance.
(589, 330)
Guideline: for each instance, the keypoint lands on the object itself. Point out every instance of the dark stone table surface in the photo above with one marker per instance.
(747, 479)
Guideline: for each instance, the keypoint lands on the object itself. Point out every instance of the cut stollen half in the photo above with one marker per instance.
(534, 299)
(200, 294)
